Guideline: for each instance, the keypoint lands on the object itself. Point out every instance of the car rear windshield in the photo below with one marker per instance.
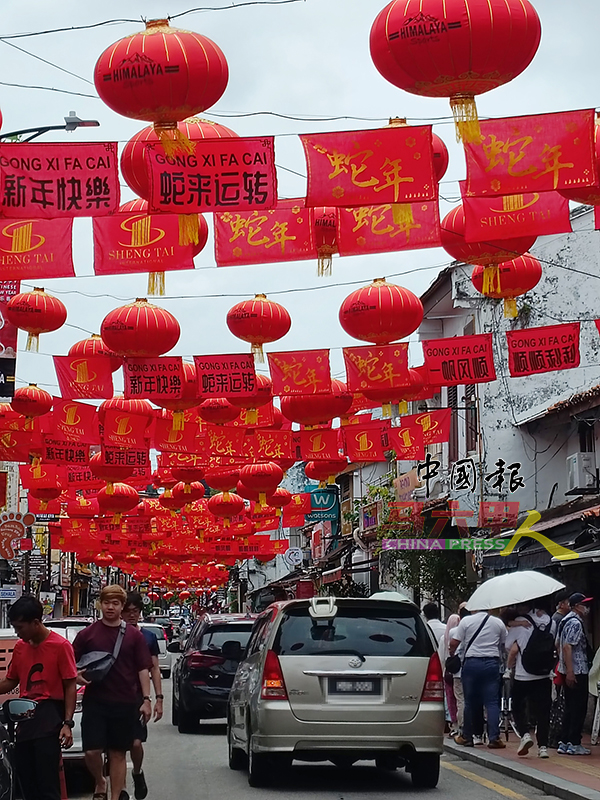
(213, 638)
(376, 630)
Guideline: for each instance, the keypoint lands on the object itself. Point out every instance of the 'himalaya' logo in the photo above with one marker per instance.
(423, 25)
(138, 67)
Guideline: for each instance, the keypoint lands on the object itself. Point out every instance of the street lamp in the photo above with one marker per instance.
(72, 122)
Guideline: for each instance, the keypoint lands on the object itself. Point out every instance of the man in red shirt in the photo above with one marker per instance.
(43, 666)
(111, 707)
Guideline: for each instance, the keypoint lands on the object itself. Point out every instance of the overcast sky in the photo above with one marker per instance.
(303, 59)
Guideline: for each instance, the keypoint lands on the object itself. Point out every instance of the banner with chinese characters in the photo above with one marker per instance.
(8, 332)
(537, 153)
(121, 429)
(534, 350)
(319, 445)
(379, 229)
(221, 173)
(377, 367)
(264, 418)
(225, 441)
(125, 457)
(139, 242)
(272, 445)
(57, 451)
(284, 233)
(365, 168)
(407, 443)
(300, 372)
(75, 422)
(153, 378)
(364, 443)
(226, 376)
(36, 248)
(460, 360)
(59, 180)
(84, 377)
(435, 425)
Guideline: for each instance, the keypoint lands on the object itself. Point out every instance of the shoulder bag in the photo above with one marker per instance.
(454, 663)
(96, 665)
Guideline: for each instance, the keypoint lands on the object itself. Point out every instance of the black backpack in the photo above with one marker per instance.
(539, 655)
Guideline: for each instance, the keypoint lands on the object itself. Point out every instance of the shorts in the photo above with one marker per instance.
(140, 732)
(109, 726)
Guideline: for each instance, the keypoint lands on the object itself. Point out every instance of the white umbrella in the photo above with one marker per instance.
(514, 587)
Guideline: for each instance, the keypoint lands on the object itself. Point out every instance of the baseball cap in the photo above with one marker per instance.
(578, 598)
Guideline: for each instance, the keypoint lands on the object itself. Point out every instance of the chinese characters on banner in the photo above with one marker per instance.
(271, 445)
(284, 233)
(460, 360)
(366, 168)
(377, 366)
(226, 376)
(222, 173)
(59, 180)
(36, 248)
(537, 153)
(153, 378)
(125, 457)
(534, 350)
(84, 378)
(377, 229)
(301, 372)
(65, 452)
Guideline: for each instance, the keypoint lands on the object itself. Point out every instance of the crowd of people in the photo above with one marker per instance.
(540, 662)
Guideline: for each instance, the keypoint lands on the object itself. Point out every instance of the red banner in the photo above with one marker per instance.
(377, 367)
(364, 444)
(75, 422)
(124, 430)
(36, 248)
(535, 350)
(183, 460)
(319, 445)
(364, 168)
(226, 376)
(84, 378)
(59, 180)
(301, 372)
(138, 242)
(284, 233)
(41, 476)
(406, 442)
(8, 332)
(58, 451)
(265, 418)
(126, 457)
(300, 504)
(154, 379)
(461, 360)
(225, 441)
(271, 445)
(222, 173)
(537, 153)
(377, 229)
(189, 440)
(435, 425)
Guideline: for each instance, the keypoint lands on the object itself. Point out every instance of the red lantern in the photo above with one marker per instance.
(103, 559)
(225, 506)
(187, 475)
(122, 499)
(133, 559)
(140, 329)
(218, 411)
(31, 401)
(258, 321)
(45, 494)
(263, 478)
(82, 508)
(186, 493)
(164, 479)
(36, 312)
(185, 595)
(223, 479)
(508, 280)
(168, 501)
(108, 472)
(325, 471)
(317, 409)
(188, 399)
(285, 463)
(168, 595)
(455, 49)
(381, 313)
(154, 596)
(387, 396)
(94, 346)
(262, 396)
(325, 228)
(140, 408)
(246, 493)
(279, 499)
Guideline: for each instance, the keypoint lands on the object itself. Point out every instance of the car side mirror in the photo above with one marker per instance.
(19, 708)
(232, 650)
(174, 647)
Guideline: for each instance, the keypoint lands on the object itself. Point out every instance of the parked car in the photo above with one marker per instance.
(339, 679)
(164, 657)
(165, 622)
(71, 624)
(203, 674)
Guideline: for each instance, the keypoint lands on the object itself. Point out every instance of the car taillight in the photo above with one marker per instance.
(197, 660)
(433, 690)
(273, 685)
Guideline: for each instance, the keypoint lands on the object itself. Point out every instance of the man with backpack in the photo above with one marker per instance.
(530, 645)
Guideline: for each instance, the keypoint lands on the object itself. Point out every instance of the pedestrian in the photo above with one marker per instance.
(561, 599)
(111, 704)
(456, 717)
(531, 694)
(482, 636)
(431, 612)
(43, 667)
(573, 667)
(131, 614)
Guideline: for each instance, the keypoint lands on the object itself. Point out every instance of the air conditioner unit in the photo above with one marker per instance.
(581, 471)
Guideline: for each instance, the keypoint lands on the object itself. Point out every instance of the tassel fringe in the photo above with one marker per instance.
(403, 407)
(325, 262)
(466, 120)
(156, 284)
(33, 343)
(510, 308)
(386, 410)
(258, 353)
(178, 420)
(189, 229)
(174, 142)
(491, 281)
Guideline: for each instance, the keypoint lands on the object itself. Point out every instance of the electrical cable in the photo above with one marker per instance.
(48, 89)
(50, 63)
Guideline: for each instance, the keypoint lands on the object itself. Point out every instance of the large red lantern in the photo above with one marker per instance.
(187, 475)
(263, 478)
(103, 559)
(45, 493)
(218, 411)
(414, 384)
(455, 49)
(223, 479)
(36, 312)
(171, 503)
(225, 506)
(325, 229)
(110, 473)
(141, 408)
(186, 493)
(279, 499)
(325, 471)
(258, 321)
(94, 346)
(511, 279)
(317, 409)
(188, 399)
(31, 401)
(381, 313)
(140, 329)
(119, 501)
(261, 397)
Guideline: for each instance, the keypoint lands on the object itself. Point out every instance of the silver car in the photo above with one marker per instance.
(338, 679)
(164, 657)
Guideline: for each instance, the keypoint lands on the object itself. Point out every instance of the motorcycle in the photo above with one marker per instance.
(13, 711)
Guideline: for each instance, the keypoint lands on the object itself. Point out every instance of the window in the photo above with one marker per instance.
(259, 633)
(215, 636)
(586, 437)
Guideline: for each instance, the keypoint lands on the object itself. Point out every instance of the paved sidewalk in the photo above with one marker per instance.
(567, 777)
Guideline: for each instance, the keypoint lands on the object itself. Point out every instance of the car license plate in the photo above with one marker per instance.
(354, 686)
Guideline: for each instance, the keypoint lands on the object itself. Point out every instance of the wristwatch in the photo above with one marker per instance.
(160, 697)
(69, 723)
(146, 697)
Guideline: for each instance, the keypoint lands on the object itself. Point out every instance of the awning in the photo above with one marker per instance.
(529, 554)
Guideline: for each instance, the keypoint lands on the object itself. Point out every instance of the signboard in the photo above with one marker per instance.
(324, 506)
(293, 556)
(11, 593)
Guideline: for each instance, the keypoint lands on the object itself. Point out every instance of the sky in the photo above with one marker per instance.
(308, 59)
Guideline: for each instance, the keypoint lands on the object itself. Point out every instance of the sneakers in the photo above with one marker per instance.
(478, 740)
(578, 750)
(124, 795)
(497, 744)
(460, 739)
(140, 786)
(563, 748)
(525, 745)
(543, 752)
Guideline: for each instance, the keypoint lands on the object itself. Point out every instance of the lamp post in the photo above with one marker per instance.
(72, 122)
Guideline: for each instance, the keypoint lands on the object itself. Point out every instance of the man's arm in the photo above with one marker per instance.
(157, 683)
(454, 643)
(8, 684)
(568, 658)
(70, 690)
(512, 656)
(146, 707)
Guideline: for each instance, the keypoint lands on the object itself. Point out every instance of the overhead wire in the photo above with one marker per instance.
(45, 61)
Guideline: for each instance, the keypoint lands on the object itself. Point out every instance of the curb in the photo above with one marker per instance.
(545, 781)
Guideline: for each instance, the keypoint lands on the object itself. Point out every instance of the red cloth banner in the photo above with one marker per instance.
(41, 476)
(406, 442)
(75, 422)
(183, 460)
(537, 153)
(138, 242)
(58, 451)
(435, 425)
(82, 478)
(189, 440)
(36, 248)
(222, 173)
(124, 430)
(300, 372)
(299, 504)
(461, 360)
(8, 332)
(363, 168)
(225, 441)
(319, 445)
(376, 229)
(293, 520)
(377, 367)
(153, 378)
(226, 376)
(265, 417)
(284, 233)
(125, 457)
(535, 350)
(59, 180)
(272, 445)
(84, 378)
(364, 444)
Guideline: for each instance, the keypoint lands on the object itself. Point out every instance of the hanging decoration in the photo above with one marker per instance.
(316, 409)
(36, 249)
(226, 505)
(325, 471)
(537, 350)
(511, 279)
(94, 346)
(262, 396)
(188, 396)
(460, 360)
(263, 478)
(36, 312)
(258, 321)
(31, 401)
(84, 377)
(218, 411)
(381, 312)
(325, 226)
(301, 372)
(140, 329)
(121, 499)
(226, 375)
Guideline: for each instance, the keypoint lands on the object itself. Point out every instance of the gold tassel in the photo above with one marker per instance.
(251, 416)
(402, 407)
(33, 343)
(402, 214)
(110, 489)
(189, 229)
(226, 497)
(43, 505)
(116, 520)
(173, 141)
(466, 120)
(386, 410)
(187, 489)
(262, 499)
(156, 284)
(226, 522)
(331, 480)
(178, 420)
(325, 263)
(36, 468)
(322, 484)
(491, 280)
(510, 308)
(258, 352)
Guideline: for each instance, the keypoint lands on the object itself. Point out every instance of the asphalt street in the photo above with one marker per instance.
(191, 766)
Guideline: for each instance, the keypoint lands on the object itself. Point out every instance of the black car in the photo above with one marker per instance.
(203, 674)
